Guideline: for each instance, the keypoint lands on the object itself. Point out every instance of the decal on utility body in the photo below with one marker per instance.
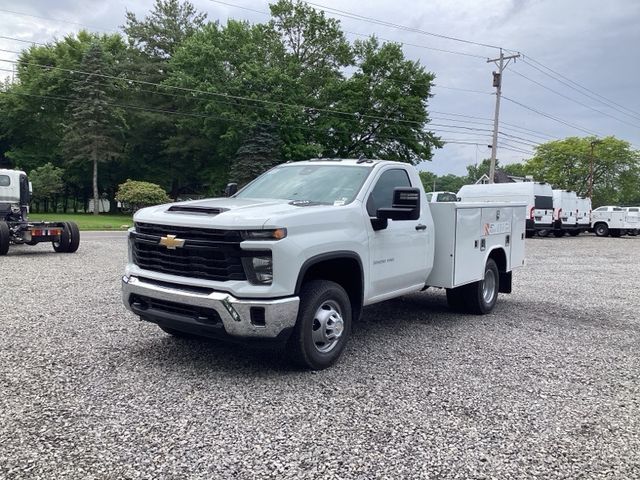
(496, 228)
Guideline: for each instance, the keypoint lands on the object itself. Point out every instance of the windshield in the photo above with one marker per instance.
(326, 184)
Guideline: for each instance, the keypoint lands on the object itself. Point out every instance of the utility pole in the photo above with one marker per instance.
(497, 82)
(593, 144)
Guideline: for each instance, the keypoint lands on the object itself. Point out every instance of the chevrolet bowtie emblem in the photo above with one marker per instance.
(171, 242)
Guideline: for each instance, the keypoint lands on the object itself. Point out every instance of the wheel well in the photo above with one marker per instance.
(500, 258)
(344, 270)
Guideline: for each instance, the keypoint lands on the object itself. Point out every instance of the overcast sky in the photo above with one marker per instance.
(593, 43)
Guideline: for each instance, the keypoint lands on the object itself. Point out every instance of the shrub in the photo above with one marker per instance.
(137, 194)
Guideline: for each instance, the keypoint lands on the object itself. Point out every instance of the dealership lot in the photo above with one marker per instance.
(547, 386)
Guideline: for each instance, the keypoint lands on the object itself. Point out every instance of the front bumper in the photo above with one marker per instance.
(209, 313)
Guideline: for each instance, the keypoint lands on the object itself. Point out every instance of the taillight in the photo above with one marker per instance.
(531, 213)
(559, 214)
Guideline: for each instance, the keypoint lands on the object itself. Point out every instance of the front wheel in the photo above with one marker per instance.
(482, 296)
(323, 325)
(601, 229)
(5, 238)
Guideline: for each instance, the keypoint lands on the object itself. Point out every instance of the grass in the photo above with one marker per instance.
(87, 221)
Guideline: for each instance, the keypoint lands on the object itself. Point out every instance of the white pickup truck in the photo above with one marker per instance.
(294, 256)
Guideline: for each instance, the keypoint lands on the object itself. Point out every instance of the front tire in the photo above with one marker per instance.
(482, 296)
(601, 230)
(5, 238)
(323, 326)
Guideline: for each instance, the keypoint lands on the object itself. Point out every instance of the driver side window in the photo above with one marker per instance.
(382, 194)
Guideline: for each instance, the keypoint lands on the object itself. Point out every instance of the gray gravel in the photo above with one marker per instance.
(545, 387)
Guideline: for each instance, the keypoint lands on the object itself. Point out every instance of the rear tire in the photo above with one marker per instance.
(323, 325)
(74, 232)
(601, 230)
(5, 238)
(481, 297)
(62, 245)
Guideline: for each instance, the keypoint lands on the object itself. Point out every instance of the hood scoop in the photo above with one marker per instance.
(304, 203)
(195, 210)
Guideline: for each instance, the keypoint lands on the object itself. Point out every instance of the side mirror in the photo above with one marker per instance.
(405, 206)
(230, 189)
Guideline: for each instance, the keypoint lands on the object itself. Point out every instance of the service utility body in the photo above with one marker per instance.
(293, 257)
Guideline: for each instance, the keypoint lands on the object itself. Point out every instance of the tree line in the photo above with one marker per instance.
(190, 104)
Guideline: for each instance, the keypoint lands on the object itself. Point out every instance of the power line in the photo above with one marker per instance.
(573, 99)
(443, 50)
(576, 84)
(385, 23)
(237, 97)
(22, 40)
(559, 120)
(462, 89)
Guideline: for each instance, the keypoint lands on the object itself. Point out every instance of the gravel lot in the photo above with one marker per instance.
(545, 387)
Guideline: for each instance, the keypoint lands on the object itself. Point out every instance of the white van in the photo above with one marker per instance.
(538, 197)
(565, 212)
(584, 214)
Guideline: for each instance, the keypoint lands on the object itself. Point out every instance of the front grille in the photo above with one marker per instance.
(206, 253)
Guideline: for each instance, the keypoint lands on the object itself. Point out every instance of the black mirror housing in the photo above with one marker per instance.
(405, 206)
(230, 189)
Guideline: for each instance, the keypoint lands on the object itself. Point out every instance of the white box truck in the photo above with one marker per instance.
(609, 220)
(537, 196)
(633, 220)
(294, 256)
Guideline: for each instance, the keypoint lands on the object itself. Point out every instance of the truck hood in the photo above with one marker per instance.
(225, 213)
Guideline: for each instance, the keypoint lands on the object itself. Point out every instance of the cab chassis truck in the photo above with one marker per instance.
(294, 256)
(15, 227)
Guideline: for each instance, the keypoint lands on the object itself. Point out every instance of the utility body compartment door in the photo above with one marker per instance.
(465, 235)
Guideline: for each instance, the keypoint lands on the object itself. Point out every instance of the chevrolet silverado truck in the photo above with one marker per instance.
(293, 257)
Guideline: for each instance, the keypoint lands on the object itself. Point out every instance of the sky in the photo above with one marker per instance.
(592, 43)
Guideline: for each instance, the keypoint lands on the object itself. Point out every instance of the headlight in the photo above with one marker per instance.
(268, 234)
(259, 268)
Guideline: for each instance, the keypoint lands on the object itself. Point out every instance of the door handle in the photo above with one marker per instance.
(421, 227)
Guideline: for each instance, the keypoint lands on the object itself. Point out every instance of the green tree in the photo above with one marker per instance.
(47, 184)
(257, 154)
(94, 129)
(389, 96)
(566, 164)
(136, 194)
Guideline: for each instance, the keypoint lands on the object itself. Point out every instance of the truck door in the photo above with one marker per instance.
(397, 254)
